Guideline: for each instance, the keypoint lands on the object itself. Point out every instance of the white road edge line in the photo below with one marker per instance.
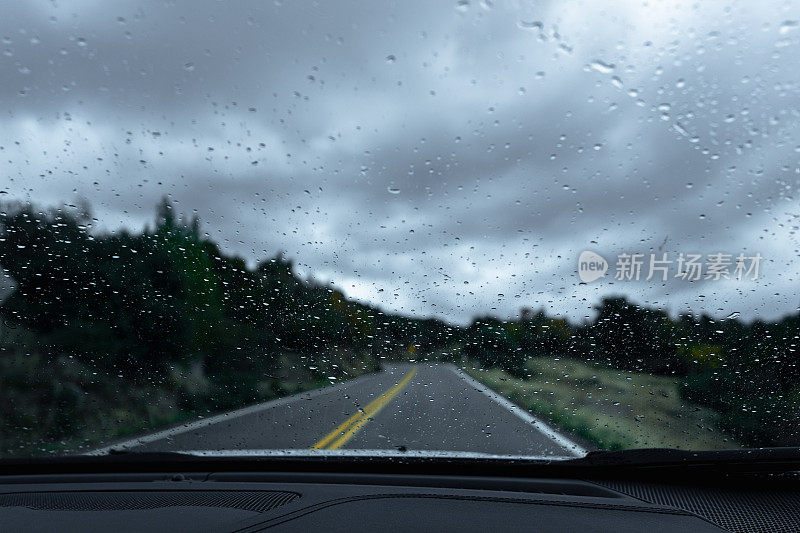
(561, 440)
(230, 415)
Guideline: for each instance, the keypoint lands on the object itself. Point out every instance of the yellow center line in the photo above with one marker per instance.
(347, 429)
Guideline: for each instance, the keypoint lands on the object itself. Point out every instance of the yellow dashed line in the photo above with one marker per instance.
(347, 429)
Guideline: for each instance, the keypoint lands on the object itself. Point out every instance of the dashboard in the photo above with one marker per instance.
(245, 501)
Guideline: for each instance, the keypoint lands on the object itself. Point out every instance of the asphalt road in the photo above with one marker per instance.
(407, 407)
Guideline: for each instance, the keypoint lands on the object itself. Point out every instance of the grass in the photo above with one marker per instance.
(56, 406)
(613, 409)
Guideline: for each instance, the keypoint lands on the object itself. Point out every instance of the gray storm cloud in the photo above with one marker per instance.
(436, 158)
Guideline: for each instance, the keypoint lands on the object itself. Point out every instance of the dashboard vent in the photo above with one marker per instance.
(256, 501)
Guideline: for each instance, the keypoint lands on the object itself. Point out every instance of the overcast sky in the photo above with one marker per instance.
(445, 158)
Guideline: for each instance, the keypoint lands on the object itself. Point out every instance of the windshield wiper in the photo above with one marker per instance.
(650, 464)
(750, 459)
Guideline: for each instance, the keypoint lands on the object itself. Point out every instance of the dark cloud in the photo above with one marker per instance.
(431, 157)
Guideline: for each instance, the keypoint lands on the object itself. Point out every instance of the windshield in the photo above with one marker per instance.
(457, 228)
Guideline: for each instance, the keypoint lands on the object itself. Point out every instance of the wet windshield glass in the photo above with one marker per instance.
(459, 227)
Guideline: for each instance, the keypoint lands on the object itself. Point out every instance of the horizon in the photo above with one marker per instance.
(184, 219)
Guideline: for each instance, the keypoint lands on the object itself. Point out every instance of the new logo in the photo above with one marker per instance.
(591, 266)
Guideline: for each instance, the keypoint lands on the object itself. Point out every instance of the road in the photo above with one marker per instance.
(407, 407)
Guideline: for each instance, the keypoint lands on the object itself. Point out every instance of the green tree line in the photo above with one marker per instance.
(145, 306)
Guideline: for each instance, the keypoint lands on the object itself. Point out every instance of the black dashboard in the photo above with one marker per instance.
(384, 496)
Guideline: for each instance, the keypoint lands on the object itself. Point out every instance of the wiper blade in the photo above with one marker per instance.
(637, 457)
(116, 452)
(378, 453)
(649, 464)
(782, 458)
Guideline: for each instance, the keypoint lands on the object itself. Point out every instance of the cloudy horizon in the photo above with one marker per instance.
(445, 159)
